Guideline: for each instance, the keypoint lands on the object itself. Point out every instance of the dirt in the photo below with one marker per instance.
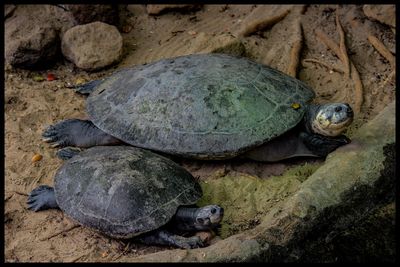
(31, 105)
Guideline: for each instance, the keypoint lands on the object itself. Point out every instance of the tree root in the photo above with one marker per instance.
(61, 232)
(260, 18)
(342, 46)
(295, 51)
(381, 48)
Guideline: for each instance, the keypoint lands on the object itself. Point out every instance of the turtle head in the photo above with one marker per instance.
(208, 217)
(198, 219)
(330, 119)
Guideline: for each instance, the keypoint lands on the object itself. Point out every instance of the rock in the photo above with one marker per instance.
(92, 46)
(84, 14)
(32, 35)
(159, 9)
(136, 9)
(383, 13)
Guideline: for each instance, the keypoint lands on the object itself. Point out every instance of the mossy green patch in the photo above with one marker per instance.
(246, 199)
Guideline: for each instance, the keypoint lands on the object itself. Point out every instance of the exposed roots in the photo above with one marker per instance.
(381, 48)
(295, 51)
(261, 17)
(342, 46)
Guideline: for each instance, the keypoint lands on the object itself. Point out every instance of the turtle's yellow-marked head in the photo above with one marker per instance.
(332, 119)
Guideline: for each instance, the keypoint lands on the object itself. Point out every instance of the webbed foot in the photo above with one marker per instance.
(42, 198)
(74, 132)
(87, 88)
(321, 145)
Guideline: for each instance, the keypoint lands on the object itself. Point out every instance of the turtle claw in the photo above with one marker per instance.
(58, 134)
(193, 242)
(41, 198)
(189, 242)
(55, 145)
(68, 152)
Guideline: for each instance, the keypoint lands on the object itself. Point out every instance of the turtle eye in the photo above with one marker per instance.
(213, 211)
(338, 108)
(200, 220)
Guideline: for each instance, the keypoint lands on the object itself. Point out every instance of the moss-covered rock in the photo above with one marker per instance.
(333, 215)
(246, 199)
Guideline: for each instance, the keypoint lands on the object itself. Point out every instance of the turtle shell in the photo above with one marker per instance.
(201, 105)
(123, 191)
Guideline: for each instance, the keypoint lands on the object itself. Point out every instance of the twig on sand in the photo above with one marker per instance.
(326, 65)
(381, 48)
(20, 193)
(82, 255)
(295, 51)
(342, 46)
(388, 79)
(61, 232)
(122, 253)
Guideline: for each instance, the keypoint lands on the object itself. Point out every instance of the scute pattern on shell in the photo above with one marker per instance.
(201, 105)
(123, 191)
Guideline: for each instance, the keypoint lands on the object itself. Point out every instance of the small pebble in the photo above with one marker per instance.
(51, 77)
(36, 157)
(192, 32)
(80, 81)
(126, 28)
(38, 78)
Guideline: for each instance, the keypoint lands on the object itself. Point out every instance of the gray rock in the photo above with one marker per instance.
(159, 9)
(32, 35)
(92, 46)
(383, 13)
(84, 14)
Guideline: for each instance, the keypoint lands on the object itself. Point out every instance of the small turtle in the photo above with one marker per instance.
(206, 106)
(126, 192)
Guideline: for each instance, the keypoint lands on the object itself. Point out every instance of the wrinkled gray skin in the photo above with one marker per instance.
(206, 106)
(127, 192)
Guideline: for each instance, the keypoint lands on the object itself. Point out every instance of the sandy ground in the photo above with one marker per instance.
(30, 106)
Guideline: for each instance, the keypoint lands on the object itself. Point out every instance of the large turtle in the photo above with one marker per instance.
(206, 106)
(126, 192)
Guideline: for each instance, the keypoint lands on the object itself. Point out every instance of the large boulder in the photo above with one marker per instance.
(84, 14)
(159, 9)
(32, 35)
(92, 46)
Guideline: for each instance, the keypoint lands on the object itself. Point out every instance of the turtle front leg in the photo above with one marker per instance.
(321, 145)
(87, 88)
(42, 198)
(79, 133)
(163, 237)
